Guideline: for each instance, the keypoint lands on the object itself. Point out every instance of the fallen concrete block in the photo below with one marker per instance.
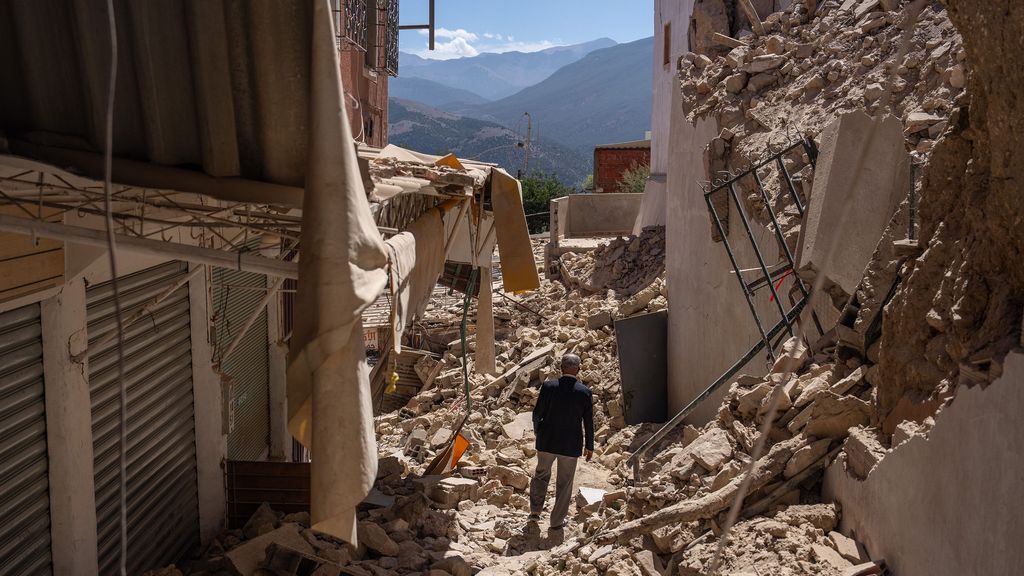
(858, 183)
(712, 449)
(864, 450)
(599, 319)
(375, 538)
(246, 558)
(650, 565)
(865, 569)
(831, 416)
(829, 556)
(450, 491)
(847, 547)
(806, 456)
(510, 476)
(519, 427)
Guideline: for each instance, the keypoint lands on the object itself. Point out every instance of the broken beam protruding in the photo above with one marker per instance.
(755, 21)
(728, 41)
(765, 470)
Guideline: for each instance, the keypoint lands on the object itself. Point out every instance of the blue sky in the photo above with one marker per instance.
(470, 27)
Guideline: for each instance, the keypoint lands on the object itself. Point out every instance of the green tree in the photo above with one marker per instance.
(634, 180)
(539, 189)
(587, 184)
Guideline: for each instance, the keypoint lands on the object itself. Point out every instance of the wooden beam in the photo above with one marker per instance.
(755, 20)
(727, 40)
(485, 324)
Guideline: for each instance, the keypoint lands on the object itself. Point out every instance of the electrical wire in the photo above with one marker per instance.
(108, 153)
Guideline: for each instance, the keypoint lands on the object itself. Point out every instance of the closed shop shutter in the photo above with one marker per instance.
(162, 495)
(236, 296)
(24, 488)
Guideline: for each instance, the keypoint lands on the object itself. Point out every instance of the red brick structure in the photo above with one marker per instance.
(612, 160)
(368, 41)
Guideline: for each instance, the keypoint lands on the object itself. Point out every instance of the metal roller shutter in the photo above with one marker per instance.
(235, 296)
(24, 486)
(162, 498)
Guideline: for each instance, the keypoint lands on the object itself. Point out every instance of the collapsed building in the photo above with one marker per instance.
(823, 281)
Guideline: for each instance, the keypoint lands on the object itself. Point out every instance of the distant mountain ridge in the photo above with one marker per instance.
(601, 98)
(432, 93)
(417, 126)
(496, 75)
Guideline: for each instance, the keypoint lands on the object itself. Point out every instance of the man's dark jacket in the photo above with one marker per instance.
(563, 412)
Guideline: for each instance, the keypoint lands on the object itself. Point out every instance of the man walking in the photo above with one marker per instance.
(564, 412)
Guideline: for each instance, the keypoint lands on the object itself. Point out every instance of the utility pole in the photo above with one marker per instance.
(529, 133)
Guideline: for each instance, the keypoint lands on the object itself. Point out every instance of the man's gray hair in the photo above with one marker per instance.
(570, 362)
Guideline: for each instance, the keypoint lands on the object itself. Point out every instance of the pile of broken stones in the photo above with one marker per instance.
(806, 69)
(622, 265)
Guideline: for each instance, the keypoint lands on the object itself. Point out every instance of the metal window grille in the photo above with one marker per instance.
(387, 37)
(723, 193)
(765, 274)
(351, 25)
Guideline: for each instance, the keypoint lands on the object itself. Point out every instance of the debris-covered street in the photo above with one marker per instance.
(302, 288)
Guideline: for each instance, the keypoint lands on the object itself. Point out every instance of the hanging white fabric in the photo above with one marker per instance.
(341, 272)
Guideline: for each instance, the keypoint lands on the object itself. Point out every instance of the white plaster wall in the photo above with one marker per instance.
(601, 214)
(710, 325)
(948, 504)
(676, 12)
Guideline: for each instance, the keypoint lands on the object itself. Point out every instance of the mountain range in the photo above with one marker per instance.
(577, 96)
(495, 76)
(417, 126)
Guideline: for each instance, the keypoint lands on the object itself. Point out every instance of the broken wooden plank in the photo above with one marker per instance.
(766, 470)
(755, 21)
(727, 40)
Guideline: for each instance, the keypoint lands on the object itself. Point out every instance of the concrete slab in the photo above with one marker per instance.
(862, 174)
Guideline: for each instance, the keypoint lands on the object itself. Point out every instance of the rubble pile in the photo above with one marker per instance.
(624, 265)
(807, 70)
(823, 411)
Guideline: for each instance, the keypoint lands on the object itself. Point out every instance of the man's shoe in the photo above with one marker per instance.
(534, 517)
(559, 527)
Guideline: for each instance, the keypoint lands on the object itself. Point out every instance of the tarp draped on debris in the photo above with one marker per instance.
(342, 270)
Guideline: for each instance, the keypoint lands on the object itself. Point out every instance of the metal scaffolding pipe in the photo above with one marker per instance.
(210, 256)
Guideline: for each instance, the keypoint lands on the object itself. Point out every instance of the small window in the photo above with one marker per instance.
(667, 45)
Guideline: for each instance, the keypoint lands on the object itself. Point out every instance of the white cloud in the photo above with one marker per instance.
(462, 43)
(453, 34)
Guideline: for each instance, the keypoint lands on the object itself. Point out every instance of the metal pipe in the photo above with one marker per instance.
(198, 254)
(271, 292)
